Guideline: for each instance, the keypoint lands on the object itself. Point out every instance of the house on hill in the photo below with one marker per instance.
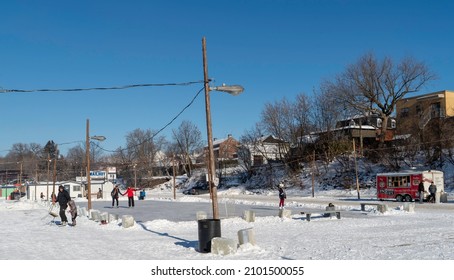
(266, 148)
(419, 111)
(366, 127)
(224, 149)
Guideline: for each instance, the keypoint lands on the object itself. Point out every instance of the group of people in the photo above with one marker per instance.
(432, 191)
(64, 200)
(129, 192)
(430, 198)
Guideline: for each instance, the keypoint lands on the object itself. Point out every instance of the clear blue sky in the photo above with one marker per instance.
(275, 49)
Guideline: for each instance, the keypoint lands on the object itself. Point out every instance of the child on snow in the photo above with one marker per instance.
(73, 211)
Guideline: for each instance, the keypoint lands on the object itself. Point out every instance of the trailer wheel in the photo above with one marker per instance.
(408, 198)
(399, 198)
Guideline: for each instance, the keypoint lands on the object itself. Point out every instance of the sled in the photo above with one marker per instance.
(52, 212)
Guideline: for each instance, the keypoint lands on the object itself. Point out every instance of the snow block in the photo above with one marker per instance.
(330, 208)
(382, 208)
(246, 236)
(104, 217)
(285, 213)
(249, 216)
(201, 215)
(82, 211)
(127, 221)
(223, 246)
(409, 207)
(95, 215)
(112, 217)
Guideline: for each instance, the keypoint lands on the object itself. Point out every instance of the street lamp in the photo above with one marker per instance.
(234, 90)
(87, 154)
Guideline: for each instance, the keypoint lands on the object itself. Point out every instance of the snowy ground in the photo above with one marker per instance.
(425, 234)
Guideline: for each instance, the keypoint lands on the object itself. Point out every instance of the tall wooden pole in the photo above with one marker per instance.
(87, 155)
(211, 167)
(356, 168)
(313, 175)
(173, 172)
(54, 177)
(48, 175)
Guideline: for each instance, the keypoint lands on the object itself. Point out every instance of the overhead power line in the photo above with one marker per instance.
(157, 132)
(98, 88)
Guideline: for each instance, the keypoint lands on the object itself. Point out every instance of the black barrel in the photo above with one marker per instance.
(208, 228)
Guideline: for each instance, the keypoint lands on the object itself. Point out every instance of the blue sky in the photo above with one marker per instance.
(274, 49)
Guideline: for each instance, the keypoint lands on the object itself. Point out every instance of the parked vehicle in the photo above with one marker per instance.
(198, 189)
(403, 186)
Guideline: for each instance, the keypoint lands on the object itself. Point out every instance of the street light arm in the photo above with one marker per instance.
(99, 138)
(233, 90)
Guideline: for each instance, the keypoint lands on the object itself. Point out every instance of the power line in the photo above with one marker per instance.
(98, 88)
(118, 88)
(159, 131)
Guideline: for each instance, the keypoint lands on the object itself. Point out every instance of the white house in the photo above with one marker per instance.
(267, 148)
(34, 190)
(103, 181)
(100, 181)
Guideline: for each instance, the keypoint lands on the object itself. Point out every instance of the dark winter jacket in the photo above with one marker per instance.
(63, 198)
(282, 194)
(421, 187)
(115, 192)
(432, 189)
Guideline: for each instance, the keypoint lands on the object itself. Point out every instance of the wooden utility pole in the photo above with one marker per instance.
(54, 177)
(211, 167)
(313, 176)
(87, 155)
(174, 184)
(356, 168)
(48, 175)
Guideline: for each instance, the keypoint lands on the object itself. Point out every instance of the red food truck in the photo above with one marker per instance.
(403, 186)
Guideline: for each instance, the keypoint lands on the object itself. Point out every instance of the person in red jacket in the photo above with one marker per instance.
(130, 193)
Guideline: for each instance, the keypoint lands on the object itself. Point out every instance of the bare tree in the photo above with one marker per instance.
(139, 158)
(290, 122)
(24, 157)
(251, 146)
(277, 119)
(374, 86)
(75, 158)
(188, 139)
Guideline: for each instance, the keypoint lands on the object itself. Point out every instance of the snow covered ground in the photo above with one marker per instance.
(397, 237)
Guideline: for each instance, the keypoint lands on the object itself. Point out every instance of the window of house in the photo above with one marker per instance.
(435, 110)
(379, 122)
(418, 110)
(258, 160)
(404, 112)
(393, 123)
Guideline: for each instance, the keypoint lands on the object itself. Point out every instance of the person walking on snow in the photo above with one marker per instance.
(115, 193)
(282, 196)
(73, 211)
(130, 193)
(62, 198)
